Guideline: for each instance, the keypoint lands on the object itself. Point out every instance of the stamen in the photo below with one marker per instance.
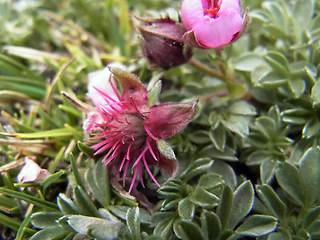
(128, 151)
(132, 136)
(133, 179)
(140, 173)
(104, 95)
(149, 133)
(148, 170)
(140, 156)
(114, 87)
(122, 163)
(129, 123)
(125, 173)
(151, 150)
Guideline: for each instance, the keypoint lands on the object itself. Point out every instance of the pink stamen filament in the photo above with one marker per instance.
(149, 133)
(133, 179)
(140, 173)
(148, 170)
(140, 156)
(125, 173)
(151, 150)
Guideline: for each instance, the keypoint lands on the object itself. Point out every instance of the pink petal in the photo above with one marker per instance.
(133, 89)
(230, 4)
(212, 32)
(191, 10)
(215, 33)
(165, 120)
(32, 172)
(90, 124)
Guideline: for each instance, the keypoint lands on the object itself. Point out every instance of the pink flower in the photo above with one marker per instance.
(32, 172)
(212, 23)
(126, 130)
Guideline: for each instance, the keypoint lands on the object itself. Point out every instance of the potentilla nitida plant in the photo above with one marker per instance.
(212, 23)
(127, 131)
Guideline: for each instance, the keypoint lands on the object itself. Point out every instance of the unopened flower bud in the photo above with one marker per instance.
(163, 44)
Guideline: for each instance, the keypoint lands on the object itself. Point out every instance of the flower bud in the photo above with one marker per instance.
(163, 44)
(212, 23)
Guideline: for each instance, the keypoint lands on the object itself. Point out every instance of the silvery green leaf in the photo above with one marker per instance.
(289, 179)
(210, 225)
(45, 219)
(310, 175)
(257, 225)
(187, 230)
(186, 209)
(95, 226)
(271, 201)
(243, 199)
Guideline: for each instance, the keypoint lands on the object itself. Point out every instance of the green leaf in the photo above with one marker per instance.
(164, 223)
(101, 228)
(310, 175)
(242, 108)
(248, 62)
(75, 171)
(97, 179)
(225, 206)
(204, 198)
(243, 199)
(195, 168)
(290, 181)
(218, 137)
(23, 228)
(315, 93)
(279, 62)
(311, 128)
(45, 219)
(311, 217)
(59, 132)
(237, 124)
(199, 137)
(53, 233)
(187, 230)
(257, 225)
(153, 94)
(83, 203)
(297, 86)
(66, 205)
(50, 180)
(13, 223)
(133, 222)
(303, 11)
(272, 201)
(186, 209)
(259, 73)
(279, 236)
(210, 225)
(225, 171)
(267, 169)
(29, 199)
(258, 157)
(165, 149)
(88, 151)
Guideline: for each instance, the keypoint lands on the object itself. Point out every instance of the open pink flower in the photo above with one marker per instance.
(212, 23)
(126, 130)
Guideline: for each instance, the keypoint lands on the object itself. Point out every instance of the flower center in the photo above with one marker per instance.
(213, 9)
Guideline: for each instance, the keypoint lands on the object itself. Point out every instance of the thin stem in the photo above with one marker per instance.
(206, 69)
